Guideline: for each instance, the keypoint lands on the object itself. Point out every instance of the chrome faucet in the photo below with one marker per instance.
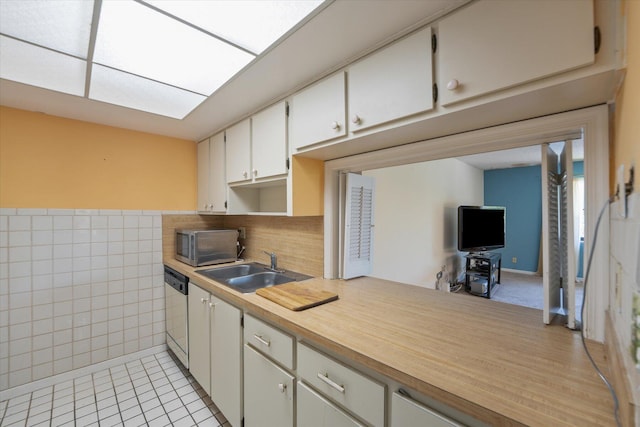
(274, 260)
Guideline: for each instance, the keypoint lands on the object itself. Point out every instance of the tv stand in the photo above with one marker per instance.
(482, 273)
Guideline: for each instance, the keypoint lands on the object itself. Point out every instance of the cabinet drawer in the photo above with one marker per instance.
(315, 411)
(408, 412)
(269, 340)
(349, 388)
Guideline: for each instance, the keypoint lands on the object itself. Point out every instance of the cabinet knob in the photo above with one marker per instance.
(255, 172)
(453, 84)
(356, 119)
(282, 387)
(212, 304)
(204, 300)
(245, 174)
(335, 126)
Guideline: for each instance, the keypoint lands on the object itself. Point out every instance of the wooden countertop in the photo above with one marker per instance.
(496, 362)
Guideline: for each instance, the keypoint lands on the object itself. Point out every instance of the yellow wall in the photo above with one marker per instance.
(52, 162)
(626, 146)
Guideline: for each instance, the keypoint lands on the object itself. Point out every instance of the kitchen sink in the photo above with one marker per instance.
(247, 278)
(233, 271)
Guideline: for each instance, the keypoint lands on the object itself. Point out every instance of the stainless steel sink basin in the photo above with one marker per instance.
(253, 282)
(233, 271)
(247, 278)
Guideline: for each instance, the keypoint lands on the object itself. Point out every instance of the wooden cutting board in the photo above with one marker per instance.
(296, 296)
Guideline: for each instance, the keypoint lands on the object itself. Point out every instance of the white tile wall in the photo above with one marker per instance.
(77, 287)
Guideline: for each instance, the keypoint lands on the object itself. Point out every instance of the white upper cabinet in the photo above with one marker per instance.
(212, 185)
(217, 175)
(392, 83)
(203, 175)
(269, 142)
(494, 44)
(318, 113)
(238, 152)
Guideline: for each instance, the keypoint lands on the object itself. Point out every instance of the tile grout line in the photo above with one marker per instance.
(136, 393)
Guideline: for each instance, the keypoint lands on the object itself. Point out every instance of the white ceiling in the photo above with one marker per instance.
(163, 57)
(338, 33)
(518, 157)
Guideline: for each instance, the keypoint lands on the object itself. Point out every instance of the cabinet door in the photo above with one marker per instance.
(203, 175)
(269, 142)
(226, 359)
(268, 392)
(315, 411)
(198, 300)
(318, 113)
(393, 83)
(238, 152)
(491, 45)
(217, 175)
(407, 412)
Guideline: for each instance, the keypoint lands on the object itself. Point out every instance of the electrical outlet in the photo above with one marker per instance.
(242, 232)
(514, 260)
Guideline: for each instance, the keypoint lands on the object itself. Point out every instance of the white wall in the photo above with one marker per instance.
(416, 218)
(624, 270)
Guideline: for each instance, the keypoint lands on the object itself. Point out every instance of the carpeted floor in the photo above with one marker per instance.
(525, 290)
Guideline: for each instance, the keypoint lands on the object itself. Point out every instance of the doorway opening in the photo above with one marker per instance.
(592, 123)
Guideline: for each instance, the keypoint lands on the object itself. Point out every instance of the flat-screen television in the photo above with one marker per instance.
(481, 228)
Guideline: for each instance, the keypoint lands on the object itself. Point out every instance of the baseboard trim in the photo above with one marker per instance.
(529, 273)
(76, 373)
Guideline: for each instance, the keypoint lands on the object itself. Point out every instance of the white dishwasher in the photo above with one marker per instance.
(176, 314)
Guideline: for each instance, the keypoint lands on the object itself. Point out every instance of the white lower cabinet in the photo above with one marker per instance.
(226, 359)
(407, 412)
(316, 411)
(268, 392)
(199, 349)
(215, 350)
(343, 385)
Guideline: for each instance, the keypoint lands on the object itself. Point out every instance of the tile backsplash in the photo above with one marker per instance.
(77, 287)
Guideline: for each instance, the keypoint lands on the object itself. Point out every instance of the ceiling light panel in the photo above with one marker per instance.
(62, 25)
(252, 24)
(25, 63)
(119, 88)
(137, 39)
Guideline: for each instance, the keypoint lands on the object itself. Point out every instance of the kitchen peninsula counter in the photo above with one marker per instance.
(496, 362)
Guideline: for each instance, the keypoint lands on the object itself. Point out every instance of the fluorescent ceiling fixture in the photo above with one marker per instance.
(134, 38)
(163, 57)
(251, 24)
(37, 66)
(62, 25)
(117, 87)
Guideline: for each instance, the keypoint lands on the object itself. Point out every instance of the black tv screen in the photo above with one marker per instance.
(481, 228)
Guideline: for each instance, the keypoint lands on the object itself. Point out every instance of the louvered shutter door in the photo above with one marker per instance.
(358, 235)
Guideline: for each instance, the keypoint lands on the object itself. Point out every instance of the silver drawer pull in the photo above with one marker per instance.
(262, 340)
(325, 378)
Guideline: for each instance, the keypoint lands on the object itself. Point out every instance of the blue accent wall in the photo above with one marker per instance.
(519, 190)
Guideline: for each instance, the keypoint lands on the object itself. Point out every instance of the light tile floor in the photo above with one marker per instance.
(153, 391)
